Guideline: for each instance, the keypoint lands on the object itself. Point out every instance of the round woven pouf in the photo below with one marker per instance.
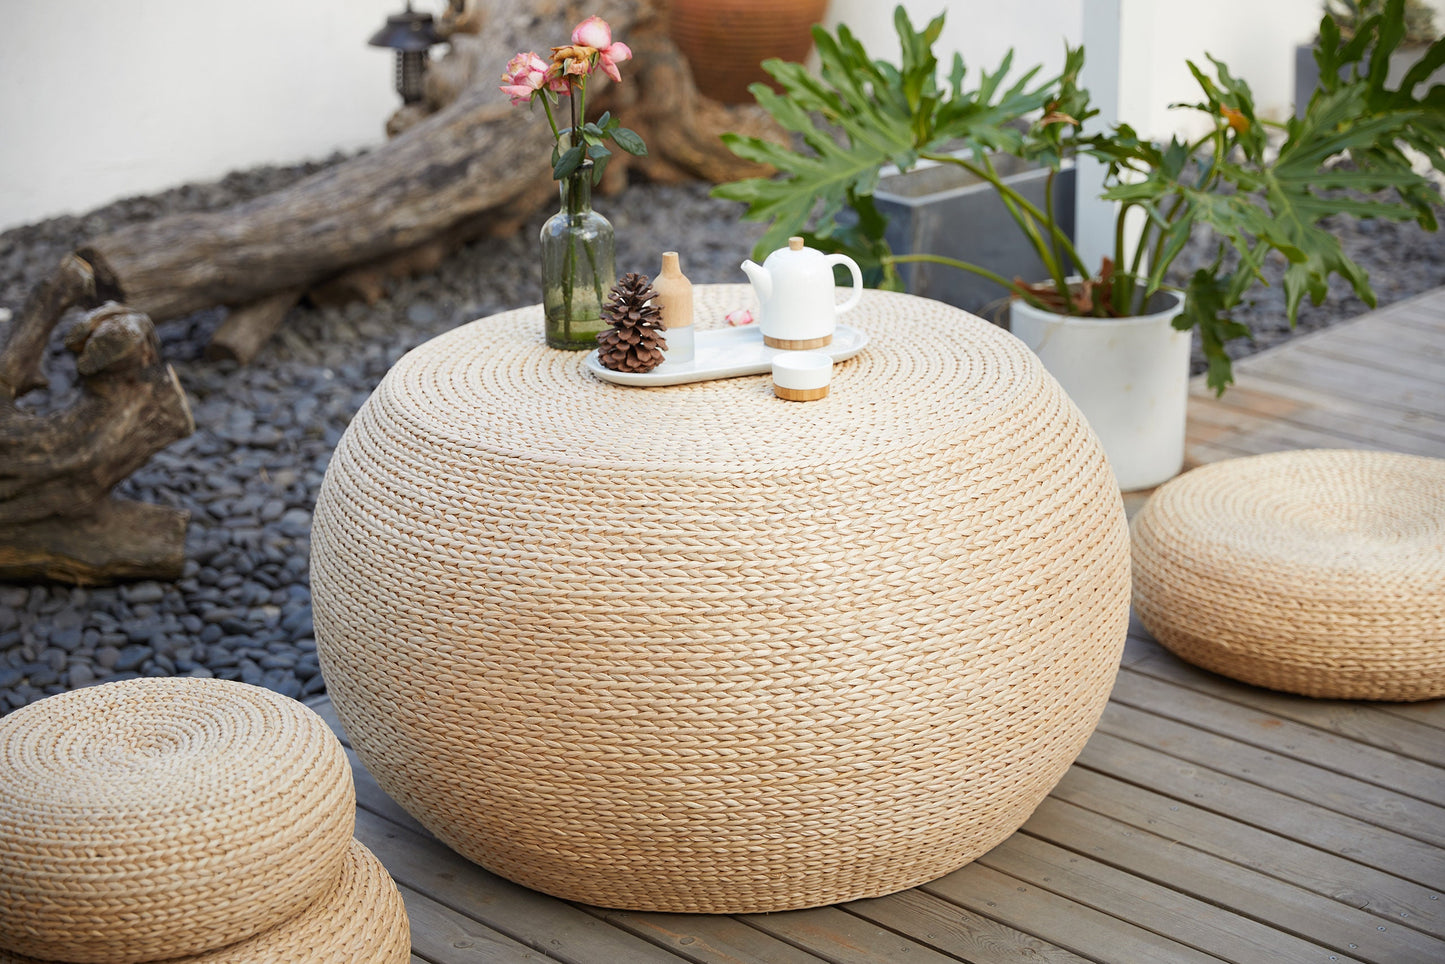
(360, 919)
(155, 818)
(1317, 572)
(698, 648)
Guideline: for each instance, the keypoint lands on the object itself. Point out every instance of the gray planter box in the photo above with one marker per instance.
(947, 211)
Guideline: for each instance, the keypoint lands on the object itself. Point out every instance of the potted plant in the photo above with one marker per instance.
(1260, 197)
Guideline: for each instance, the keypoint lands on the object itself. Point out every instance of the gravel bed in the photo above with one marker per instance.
(264, 432)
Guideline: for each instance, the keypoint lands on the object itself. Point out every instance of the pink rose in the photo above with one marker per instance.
(738, 318)
(610, 56)
(526, 74)
(595, 33)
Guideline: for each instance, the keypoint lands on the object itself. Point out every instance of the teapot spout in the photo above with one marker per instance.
(761, 279)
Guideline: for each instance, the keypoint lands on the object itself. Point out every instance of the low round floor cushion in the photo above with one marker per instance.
(359, 920)
(1318, 572)
(155, 818)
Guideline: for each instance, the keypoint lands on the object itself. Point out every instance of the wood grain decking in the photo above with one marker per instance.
(1205, 820)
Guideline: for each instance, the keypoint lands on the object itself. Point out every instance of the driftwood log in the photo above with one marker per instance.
(473, 166)
(57, 517)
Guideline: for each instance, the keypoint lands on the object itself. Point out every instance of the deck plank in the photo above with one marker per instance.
(1344, 795)
(1133, 896)
(707, 939)
(1244, 914)
(957, 931)
(1370, 723)
(1405, 393)
(843, 938)
(447, 937)
(1177, 819)
(1059, 920)
(1286, 815)
(1264, 731)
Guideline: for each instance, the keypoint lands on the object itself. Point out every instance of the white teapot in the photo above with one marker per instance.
(795, 290)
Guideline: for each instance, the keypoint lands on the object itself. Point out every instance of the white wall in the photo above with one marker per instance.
(102, 99)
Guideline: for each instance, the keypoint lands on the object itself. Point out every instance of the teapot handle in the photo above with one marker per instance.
(852, 267)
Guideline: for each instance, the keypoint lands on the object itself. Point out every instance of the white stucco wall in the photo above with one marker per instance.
(100, 100)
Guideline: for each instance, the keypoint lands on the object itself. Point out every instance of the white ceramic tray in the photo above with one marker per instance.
(725, 353)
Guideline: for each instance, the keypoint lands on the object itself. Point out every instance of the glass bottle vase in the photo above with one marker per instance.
(578, 268)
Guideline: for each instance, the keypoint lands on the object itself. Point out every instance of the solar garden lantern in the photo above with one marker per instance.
(411, 35)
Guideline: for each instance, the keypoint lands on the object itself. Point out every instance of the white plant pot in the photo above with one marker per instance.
(1130, 378)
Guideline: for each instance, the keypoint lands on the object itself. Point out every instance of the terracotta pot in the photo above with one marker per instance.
(726, 41)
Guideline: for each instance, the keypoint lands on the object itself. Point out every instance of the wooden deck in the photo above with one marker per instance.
(1205, 820)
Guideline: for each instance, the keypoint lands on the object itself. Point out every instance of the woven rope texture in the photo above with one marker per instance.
(698, 648)
(1313, 572)
(360, 919)
(154, 818)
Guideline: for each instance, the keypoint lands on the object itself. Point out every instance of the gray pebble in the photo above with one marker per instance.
(296, 523)
(251, 673)
(81, 675)
(68, 639)
(131, 657)
(143, 592)
(298, 623)
(107, 656)
(282, 682)
(44, 677)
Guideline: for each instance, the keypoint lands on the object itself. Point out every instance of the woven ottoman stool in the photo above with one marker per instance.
(696, 648)
(360, 920)
(158, 818)
(1316, 572)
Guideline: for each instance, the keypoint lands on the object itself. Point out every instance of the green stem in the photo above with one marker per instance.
(895, 259)
(552, 121)
(1049, 210)
(1118, 297)
(579, 89)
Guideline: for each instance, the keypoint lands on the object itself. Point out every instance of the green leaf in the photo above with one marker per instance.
(1206, 305)
(568, 163)
(599, 155)
(629, 141)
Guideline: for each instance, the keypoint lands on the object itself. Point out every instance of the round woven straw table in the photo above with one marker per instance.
(1319, 572)
(697, 648)
(359, 919)
(156, 818)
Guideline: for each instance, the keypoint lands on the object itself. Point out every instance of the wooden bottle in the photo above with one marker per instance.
(674, 297)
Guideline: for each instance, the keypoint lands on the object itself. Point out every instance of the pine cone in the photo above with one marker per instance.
(635, 342)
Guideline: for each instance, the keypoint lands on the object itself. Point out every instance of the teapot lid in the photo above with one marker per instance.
(793, 252)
